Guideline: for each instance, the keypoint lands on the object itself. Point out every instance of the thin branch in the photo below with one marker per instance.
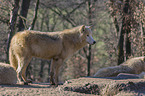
(63, 16)
(24, 21)
(35, 16)
(77, 7)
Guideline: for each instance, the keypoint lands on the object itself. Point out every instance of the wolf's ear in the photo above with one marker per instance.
(82, 29)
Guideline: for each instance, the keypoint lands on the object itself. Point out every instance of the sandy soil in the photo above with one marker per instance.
(86, 86)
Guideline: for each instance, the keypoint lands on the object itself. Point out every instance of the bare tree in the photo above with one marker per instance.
(23, 14)
(35, 15)
(13, 19)
(123, 10)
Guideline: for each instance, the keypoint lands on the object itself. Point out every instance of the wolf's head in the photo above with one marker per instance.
(87, 34)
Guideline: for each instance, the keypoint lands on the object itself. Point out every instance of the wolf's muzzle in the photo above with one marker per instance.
(94, 42)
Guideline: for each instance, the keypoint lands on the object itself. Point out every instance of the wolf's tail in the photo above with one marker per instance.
(12, 58)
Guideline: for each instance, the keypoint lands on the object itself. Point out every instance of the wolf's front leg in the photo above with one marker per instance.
(58, 64)
(55, 65)
(51, 78)
(52, 73)
(56, 75)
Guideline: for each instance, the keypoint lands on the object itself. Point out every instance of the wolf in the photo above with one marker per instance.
(54, 46)
(134, 65)
(7, 74)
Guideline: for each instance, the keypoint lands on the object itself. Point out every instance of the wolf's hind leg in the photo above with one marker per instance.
(22, 65)
(24, 70)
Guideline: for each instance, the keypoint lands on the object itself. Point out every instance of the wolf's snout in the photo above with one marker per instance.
(94, 42)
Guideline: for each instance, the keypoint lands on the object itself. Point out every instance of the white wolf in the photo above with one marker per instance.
(56, 46)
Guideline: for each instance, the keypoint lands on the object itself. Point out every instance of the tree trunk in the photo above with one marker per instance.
(121, 44)
(23, 14)
(13, 19)
(126, 29)
(41, 70)
(49, 64)
(35, 15)
(143, 39)
(89, 4)
(128, 44)
(89, 60)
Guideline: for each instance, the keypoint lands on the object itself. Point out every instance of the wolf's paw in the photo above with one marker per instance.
(25, 83)
(22, 83)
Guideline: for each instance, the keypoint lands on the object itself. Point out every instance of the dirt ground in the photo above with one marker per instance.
(86, 86)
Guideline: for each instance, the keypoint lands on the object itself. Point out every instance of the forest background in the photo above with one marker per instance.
(118, 27)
